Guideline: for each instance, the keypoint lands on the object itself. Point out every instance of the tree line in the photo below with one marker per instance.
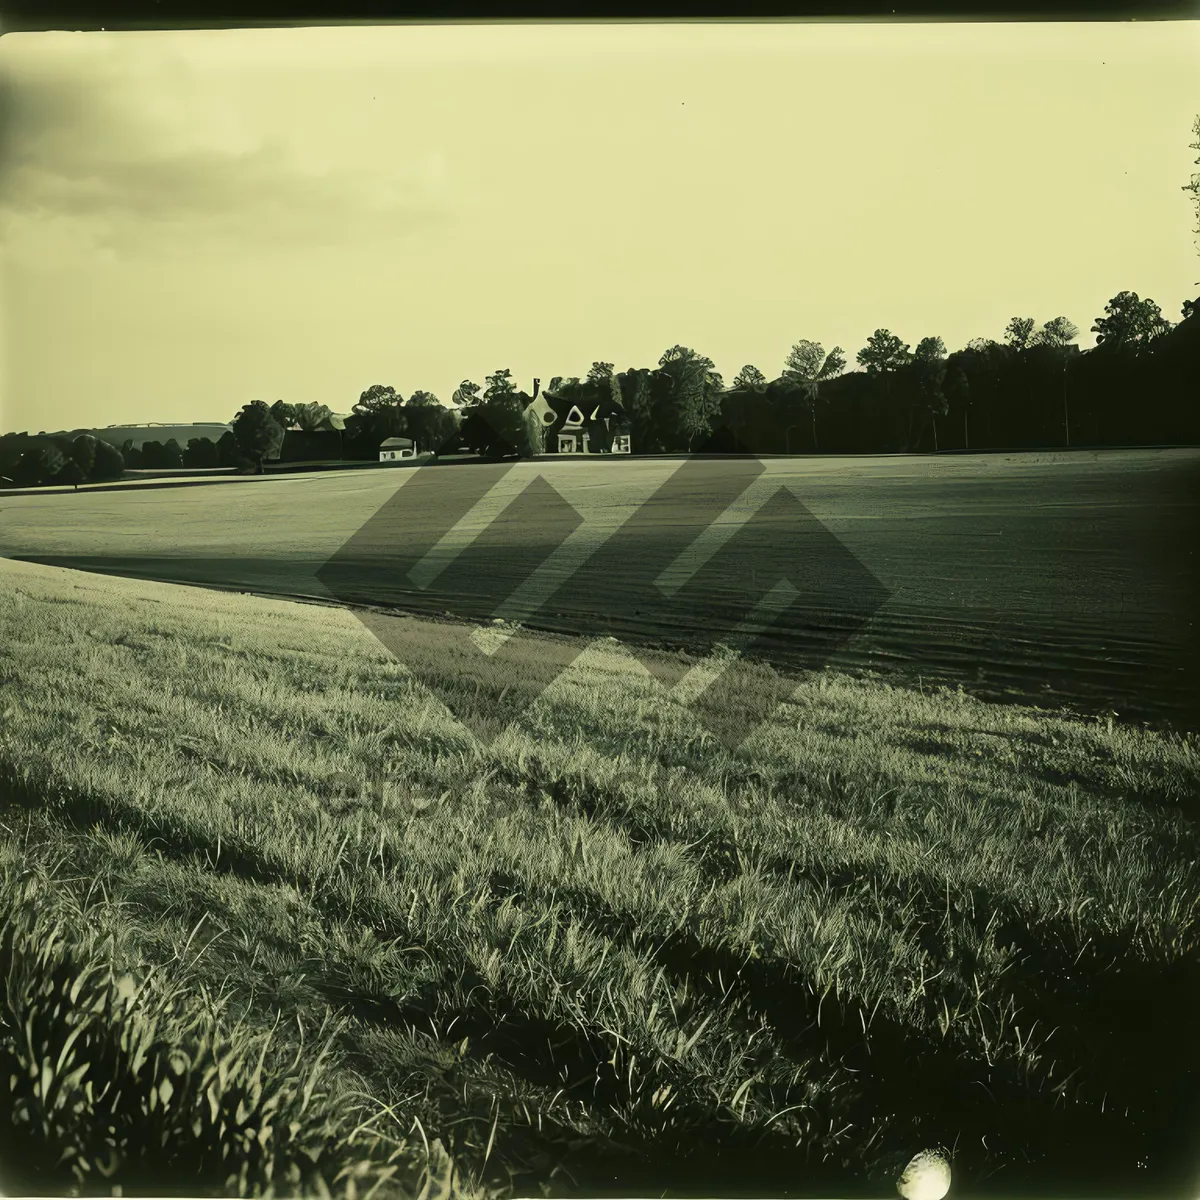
(1033, 388)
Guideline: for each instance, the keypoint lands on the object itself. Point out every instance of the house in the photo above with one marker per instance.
(579, 426)
(395, 448)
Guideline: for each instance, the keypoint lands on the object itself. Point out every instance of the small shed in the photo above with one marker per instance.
(395, 448)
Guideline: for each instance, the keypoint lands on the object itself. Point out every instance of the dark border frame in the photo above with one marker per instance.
(32, 15)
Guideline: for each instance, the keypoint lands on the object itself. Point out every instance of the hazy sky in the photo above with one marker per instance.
(194, 220)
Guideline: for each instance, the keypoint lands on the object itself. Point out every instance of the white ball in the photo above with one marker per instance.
(927, 1177)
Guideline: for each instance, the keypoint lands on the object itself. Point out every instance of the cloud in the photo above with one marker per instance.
(116, 141)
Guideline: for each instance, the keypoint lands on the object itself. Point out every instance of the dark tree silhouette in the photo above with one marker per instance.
(109, 462)
(1194, 185)
(309, 417)
(258, 434)
(83, 453)
(884, 353)
(1057, 333)
(1130, 324)
(808, 366)
(750, 378)
(467, 393)
(694, 394)
(929, 367)
(497, 428)
(1019, 332)
(201, 452)
(499, 384)
(284, 414)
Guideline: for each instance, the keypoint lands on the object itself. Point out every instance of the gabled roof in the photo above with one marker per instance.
(398, 442)
(564, 406)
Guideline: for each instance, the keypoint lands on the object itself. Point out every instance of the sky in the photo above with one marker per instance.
(192, 220)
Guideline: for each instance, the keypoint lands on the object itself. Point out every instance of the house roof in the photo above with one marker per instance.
(599, 410)
(397, 442)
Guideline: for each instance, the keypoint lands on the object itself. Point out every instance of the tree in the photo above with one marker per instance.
(1194, 185)
(694, 394)
(466, 394)
(377, 415)
(499, 384)
(284, 414)
(39, 464)
(957, 390)
(310, 416)
(70, 472)
(641, 390)
(1130, 325)
(601, 372)
(259, 436)
(1018, 332)
(430, 425)
(883, 354)
(172, 454)
(750, 379)
(809, 366)
(201, 452)
(930, 350)
(378, 395)
(1057, 333)
(497, 428)
(422, 399)
(83, 452)
(929, 365)
(109, 463)
(229, 451)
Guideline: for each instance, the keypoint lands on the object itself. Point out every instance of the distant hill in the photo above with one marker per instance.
(118, 435)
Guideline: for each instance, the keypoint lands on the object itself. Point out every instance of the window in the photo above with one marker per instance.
(566, 443)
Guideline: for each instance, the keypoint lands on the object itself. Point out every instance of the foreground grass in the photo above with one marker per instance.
(602, 954)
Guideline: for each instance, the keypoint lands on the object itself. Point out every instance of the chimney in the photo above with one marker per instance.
(537, 383)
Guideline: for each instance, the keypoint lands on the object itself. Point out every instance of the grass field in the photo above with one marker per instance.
(1050, 578)
(600, 956)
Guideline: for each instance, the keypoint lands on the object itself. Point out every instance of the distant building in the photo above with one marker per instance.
(573, 430)
(395, 448)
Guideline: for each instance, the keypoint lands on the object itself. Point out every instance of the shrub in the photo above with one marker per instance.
(201, 452)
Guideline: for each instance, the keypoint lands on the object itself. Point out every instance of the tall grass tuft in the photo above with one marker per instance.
(110, 1083)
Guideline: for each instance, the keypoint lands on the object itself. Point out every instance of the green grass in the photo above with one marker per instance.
(600, 954)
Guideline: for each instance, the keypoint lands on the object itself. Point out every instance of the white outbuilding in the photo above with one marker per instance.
(395, 448)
